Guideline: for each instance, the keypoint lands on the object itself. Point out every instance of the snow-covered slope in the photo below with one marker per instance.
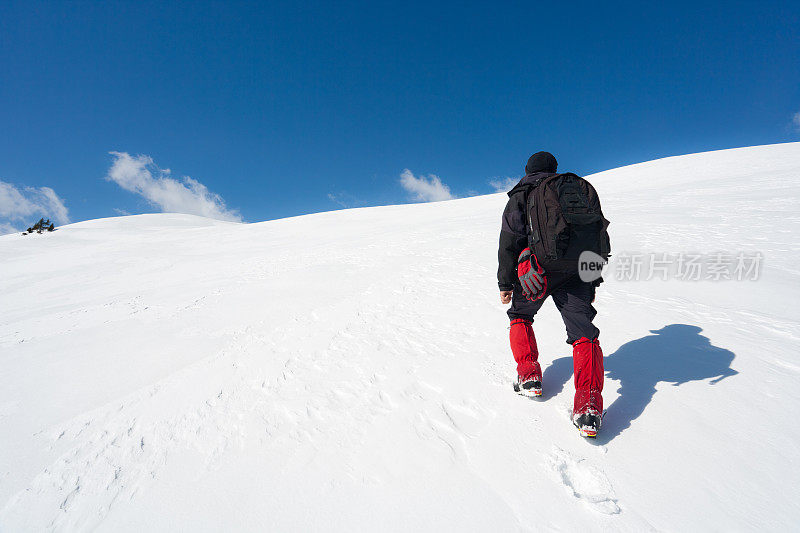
(350, 370)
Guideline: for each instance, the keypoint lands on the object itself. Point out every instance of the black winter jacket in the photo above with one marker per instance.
(514, 237)
(514, 231)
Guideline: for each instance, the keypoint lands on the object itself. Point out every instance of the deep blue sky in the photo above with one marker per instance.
(274, 106)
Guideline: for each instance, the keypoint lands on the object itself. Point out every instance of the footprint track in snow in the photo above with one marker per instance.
(586, 483)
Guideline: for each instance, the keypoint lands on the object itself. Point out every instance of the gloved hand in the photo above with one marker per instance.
(531, 276)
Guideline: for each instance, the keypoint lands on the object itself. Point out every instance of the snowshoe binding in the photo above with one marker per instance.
(530, 387)
(588, 423)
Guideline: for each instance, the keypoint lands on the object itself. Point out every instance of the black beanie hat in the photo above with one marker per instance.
(541, 162)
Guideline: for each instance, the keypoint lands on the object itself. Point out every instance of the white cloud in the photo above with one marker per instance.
(7, 228)
(341, 199)
(427, 190)
(20, 207)
(503, 184)
(796, 121)
(54, 205)
(140, 175)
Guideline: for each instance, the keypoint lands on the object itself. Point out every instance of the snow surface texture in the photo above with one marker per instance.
(351, 371)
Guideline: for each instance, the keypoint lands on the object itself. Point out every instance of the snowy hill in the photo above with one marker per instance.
(351, 371)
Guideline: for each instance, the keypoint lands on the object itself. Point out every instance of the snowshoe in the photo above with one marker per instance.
(588, 423)
(531, 387)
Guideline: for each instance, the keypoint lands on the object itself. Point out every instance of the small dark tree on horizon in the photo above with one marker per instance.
(41, 226)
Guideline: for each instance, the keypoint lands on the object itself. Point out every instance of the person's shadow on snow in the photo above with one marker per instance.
(674, 354)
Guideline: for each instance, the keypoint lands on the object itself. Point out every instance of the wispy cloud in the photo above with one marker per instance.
(430, 189)
(503, 184)
(796, 121)
(343, 199)
(19, 207)
(140, 175)
(5, 229)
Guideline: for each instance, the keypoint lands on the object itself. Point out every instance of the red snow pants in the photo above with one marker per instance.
(573, 300)
(523, 346)
(587, 362)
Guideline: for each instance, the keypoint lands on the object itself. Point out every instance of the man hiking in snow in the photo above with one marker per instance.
(552, 224)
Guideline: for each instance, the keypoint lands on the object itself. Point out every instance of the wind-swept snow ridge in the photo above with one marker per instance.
(350, 370)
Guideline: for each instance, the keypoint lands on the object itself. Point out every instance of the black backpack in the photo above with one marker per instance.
(564, 220)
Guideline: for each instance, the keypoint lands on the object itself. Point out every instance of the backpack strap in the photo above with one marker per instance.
(536, 196)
